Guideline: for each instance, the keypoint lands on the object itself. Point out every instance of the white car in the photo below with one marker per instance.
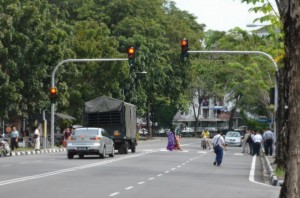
(143, 131)
(90, 141)
(233, 138)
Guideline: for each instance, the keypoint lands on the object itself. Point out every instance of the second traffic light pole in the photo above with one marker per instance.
(53, 83)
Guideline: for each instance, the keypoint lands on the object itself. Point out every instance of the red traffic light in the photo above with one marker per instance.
(184, 43)
(53, 91)
(184, 48)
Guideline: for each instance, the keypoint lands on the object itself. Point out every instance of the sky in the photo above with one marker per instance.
(221, 15)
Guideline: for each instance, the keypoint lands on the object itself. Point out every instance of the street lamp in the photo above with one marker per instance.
(142, 72)
(257, 25)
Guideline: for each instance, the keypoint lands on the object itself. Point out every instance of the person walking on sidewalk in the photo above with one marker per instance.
(37, 141)
(218, 145)
(269, 139)
(14, 136)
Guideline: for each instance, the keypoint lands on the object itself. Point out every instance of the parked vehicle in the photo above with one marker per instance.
(4, 147)
(143, 131)
(233, 138)
(117, 117)
(90, 141)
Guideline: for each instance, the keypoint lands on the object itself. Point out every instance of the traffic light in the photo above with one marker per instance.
(53, 94)
(184, 48)
(131, 56)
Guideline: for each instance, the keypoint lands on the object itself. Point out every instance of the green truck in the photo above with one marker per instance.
(116, 117)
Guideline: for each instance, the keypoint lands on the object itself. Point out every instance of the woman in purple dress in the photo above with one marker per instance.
(171, 140)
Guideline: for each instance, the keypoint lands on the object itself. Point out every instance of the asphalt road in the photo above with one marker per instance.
(149, 173)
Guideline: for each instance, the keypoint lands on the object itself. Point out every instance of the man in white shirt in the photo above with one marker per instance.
(218, 145)
(257, 138)
(269, 139)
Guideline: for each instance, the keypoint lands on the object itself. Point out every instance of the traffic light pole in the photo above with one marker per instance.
(257, 53)
(53, 83)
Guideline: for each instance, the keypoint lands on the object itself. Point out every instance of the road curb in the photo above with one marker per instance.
(273, 178)
(33, 152)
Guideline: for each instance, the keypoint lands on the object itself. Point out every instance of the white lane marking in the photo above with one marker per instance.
(163, 150)
(159, 175)
(173, 169)
(147, 150)
(167, 172)
(238, 154)
(183, 164)
(21, 179)
(178, 166)
(252, 173)
(129, 187)
(141, 183)
(151, 178)
(114, 194)
(202, 152)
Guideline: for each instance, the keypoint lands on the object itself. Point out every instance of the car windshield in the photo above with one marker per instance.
(232, 134)
(90, 132)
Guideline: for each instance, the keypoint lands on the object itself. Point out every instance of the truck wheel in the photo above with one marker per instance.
(70, 156)
(125, 148)
(81, 156)
(133, 148)
(120, 150)
(102, 155)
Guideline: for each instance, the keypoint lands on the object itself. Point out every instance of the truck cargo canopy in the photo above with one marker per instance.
(104, 104)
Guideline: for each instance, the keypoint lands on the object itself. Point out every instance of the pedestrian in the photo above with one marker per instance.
(205, 139)
(177, 140)
(171, 140)
(36, 136)
(14, 136)
(245, 143)
(218, 145)
(251, 142)
(67, 133)
(269, 139)
(257, 139)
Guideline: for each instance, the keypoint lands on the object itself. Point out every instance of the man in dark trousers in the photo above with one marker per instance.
(269, 139)
(14, 136)
(218, 145)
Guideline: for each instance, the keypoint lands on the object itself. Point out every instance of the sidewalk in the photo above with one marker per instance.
(271, 167)
(19, 152)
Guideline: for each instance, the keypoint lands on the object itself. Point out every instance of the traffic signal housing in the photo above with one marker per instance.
(131, 56)
(53, 94)
(184, 48)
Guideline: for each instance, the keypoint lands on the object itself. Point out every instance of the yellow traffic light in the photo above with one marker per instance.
(53, 90)
(131, 53)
